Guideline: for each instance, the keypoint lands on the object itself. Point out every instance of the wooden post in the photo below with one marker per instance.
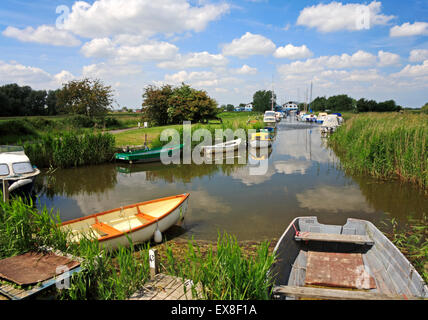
(6, 191)
(154, 262)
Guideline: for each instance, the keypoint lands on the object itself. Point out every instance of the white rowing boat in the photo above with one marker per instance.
(138, 221)
(231, 145)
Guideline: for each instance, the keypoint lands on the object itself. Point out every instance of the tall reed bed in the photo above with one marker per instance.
(70, 150)
(225, 273)
(385, 145)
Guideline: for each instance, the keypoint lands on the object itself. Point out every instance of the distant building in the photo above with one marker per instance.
(291, 106)
(248, 107)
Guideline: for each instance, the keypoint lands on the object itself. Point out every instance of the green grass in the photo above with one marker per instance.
(225, 273)
(231, 120)
(116, 274)
(387, 145)
(412, 240)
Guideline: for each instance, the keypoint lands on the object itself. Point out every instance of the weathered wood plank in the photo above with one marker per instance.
(330, 237)
(165, 287)
(335, 294)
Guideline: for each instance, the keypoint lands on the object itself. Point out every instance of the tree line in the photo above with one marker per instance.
(345, 103)
(89, 97)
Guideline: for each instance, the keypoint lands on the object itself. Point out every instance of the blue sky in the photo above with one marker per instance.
(371, 49)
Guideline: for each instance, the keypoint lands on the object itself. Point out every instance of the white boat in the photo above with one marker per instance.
(270, 118)
(321, 117)
(16, 168)
(330, 124)
(231, 145)
(140, 222)
(260, 140)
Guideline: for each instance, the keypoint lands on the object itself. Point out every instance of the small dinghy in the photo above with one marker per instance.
(351, 262)
(146, 155)
(261, 140)
(231, 145)
(140, 222)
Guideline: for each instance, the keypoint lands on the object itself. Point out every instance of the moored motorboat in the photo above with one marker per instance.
(260, 140)
(138, 221)
(146, 155)
(354, 261)
(16, 168)
(269, 118)
(231, 145)
(330, 124)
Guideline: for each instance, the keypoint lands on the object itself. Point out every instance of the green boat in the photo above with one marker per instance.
(149, 155)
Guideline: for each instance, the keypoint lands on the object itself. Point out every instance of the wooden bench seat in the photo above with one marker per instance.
(144, 216)
(335, 294)
(105, 228)
(330, 237)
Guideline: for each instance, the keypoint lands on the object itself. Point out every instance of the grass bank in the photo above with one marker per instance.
(231, 120)
(70, 150)
(385, 145)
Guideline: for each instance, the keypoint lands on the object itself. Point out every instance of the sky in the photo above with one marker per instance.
(229, 48)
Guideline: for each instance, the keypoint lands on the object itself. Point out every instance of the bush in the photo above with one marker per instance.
(80, 121)
(16, 127)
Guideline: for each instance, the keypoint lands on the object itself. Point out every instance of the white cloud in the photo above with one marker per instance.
(43, 34)
(407, 29)
(245, 69)
(388, 59)
(344, 61)
(418, 55)
(106, 70)
(336, 16)
(249, 44)
(414, 71)
(105, 18)
(32, 76)
(195, 60)
(292, 52)
(205, 79)
(149, 51)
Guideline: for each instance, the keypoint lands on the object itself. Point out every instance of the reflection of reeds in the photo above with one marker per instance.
(385, 145)
(70, 150)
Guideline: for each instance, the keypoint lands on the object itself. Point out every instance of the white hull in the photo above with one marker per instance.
(222, 147)
(260, 143)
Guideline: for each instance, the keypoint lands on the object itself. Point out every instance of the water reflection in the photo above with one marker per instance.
(298, 176)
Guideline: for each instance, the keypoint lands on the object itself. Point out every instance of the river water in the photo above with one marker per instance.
(302, 177)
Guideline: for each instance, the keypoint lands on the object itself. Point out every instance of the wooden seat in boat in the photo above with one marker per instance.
(106, 229)
(144, 216)
(329, 237)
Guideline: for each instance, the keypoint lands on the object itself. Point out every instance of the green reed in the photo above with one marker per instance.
(70, 150)
(225, 273)
(385, 146)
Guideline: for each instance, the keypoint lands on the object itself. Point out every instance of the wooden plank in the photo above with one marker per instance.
(330, 237)
(335, 294)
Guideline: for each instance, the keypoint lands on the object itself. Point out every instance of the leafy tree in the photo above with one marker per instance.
(340, 103)
(262, 100)
(51, 101)
(424, 109)
(230, 108)
(88, 97)
(155, 104)
(319, 104)
(168, 105)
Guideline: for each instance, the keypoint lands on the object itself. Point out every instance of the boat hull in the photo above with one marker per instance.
(138, 233)
(260, 143)
(144, 156)
(392, 273)
(222, 147)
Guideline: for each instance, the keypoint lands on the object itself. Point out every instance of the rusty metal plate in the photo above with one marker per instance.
(342, 270)
(34, 267)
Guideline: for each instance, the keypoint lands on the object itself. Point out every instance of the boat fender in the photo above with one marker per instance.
(158, 235)
(19, 183)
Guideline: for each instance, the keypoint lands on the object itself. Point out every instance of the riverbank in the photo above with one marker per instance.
(385, 145)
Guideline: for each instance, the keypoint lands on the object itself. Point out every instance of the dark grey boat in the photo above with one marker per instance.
(355, 261)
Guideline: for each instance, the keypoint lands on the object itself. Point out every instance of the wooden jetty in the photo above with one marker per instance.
(166, 287)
